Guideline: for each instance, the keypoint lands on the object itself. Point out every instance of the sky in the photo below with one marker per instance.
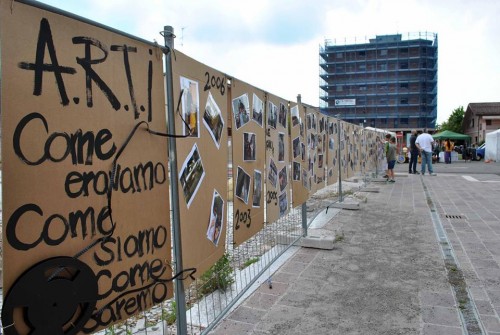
(274, 44)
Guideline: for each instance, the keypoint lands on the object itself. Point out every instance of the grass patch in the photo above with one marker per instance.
(219, 276)
(249, 262)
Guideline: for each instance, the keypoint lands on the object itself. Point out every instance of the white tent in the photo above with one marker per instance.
(492, 147)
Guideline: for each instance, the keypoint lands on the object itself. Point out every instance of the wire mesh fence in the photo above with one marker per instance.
(210, 297)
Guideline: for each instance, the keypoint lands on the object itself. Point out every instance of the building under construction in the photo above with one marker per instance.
(387, 82)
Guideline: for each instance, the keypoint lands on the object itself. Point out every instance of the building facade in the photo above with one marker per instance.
(387, 82)
(481, 118)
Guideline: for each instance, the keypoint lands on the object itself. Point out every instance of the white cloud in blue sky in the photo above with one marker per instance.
(274, 44)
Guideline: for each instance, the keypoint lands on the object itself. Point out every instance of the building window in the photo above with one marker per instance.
(403, 85)
(339, 88)
(424, 50)
(403, 120)
(383, 67)
(339, 68)
(382, 87)
(383, 52)
(403, 65)
(362, 53)
(362, 67)
(362, 87)
(404, 51)
(472, 123)
(339, 54)
(488, 122)
(403, 101)
(383, 101)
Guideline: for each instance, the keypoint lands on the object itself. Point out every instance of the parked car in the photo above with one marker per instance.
(480, 152)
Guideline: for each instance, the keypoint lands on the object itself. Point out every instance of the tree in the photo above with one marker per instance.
(455, 120)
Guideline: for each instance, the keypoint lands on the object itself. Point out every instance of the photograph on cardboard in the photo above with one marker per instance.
(282, 115)
(296, 147)
(272, 115)
(241, 110)
(191, 175)
(281, 147)
(296, 171)
(273, 173)
(249, 142)
(216, 222)
(257, 188)
(212, 118)
(257, 110)
(242, 185)
(283, 203)
(294, 111)
(283, 178)
(304, 179)
(190, 107)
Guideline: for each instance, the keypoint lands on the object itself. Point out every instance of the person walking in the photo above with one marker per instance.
(424, 143)
(448, 148)
(391, 159)
(412, 169)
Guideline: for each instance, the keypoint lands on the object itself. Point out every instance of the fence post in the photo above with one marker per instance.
(180, 298)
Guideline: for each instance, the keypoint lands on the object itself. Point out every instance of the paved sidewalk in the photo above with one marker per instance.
(393, 271)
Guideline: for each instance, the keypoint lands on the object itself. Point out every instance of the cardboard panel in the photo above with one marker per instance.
(202, 160)
(300, 175)
(248, 148)
(333, 152)
(344, 149)
(321, 150)
(277, 159)
(72, 94)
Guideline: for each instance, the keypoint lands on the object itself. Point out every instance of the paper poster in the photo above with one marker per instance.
(86, 226)
(202, 159)
(248, 154)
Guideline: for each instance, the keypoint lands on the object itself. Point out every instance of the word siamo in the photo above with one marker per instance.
(88, 62)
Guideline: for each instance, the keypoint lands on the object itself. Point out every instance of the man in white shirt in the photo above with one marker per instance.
(424, 144)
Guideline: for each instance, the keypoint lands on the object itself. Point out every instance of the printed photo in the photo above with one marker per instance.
(294, 111)
(242, 185)
(257, 188)
(241, 110)
(304, 179)
(281, 147)
(272, 115)
(296, 147)
(282, 115)
(212, 118)
(249, 146)
(190, 107)
(191, 175)
(283, 201)
(273, 174)
(216, 222)
(296, 171)
(283, 178)
(257, 110)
